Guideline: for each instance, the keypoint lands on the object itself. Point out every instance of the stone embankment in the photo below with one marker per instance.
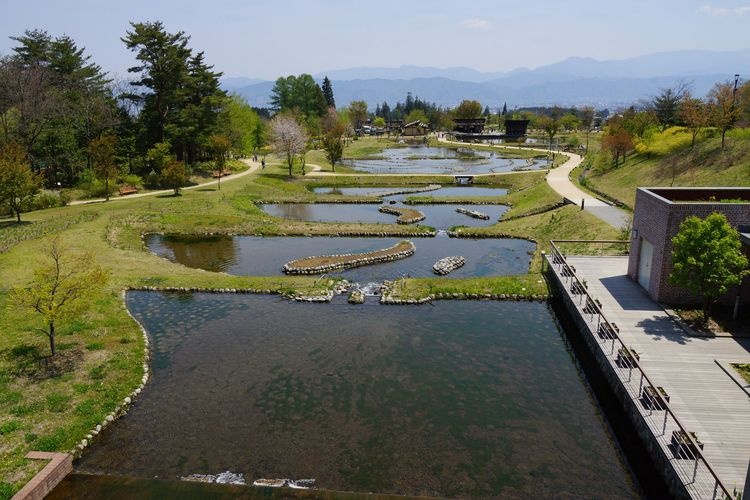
(405, 215)
(473, 213)
(448, 264)
(327, 263)
(431, 187)
(124, 406)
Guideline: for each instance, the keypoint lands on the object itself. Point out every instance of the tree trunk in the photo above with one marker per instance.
(52, 337)
(106, 188)
(18, 215)
(707, 301)
(723, 133)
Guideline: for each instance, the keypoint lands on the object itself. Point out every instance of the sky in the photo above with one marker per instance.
(267, 39)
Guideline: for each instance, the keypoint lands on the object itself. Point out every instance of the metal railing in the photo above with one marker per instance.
(688, 461)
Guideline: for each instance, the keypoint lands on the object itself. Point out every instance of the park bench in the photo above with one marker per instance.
(224, 173)
(124, 190)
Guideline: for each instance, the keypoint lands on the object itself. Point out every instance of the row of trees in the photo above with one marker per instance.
(726, 105)
(69, 122)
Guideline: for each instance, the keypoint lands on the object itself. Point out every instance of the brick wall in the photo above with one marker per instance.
(60, 465)
(657, 220)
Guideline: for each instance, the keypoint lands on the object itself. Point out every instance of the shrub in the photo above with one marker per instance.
(132, 180)
(8, 427)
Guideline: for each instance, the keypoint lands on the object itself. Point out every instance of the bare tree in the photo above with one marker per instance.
(586, 115)
(288, 138)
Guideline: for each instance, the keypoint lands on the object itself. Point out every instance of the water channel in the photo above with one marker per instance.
(264, 256)
(443, 192)
(439, 160)
(462, 399)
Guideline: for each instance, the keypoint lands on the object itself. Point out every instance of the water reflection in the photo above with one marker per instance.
(438, 160)
(438, 216)
(264, 256)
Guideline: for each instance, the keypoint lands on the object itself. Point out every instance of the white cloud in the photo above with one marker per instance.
(476, 24)
(725, 11)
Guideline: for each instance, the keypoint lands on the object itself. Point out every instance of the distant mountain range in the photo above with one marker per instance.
(573, 81)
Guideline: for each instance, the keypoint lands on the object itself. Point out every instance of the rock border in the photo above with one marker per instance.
(448, 264)
(352, 260)
(473, 213)
(403, 214)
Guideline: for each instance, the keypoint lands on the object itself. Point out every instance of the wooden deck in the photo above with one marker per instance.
(705, 399)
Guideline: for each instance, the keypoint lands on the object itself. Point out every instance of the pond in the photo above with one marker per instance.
(438, 160)
(464, 398)
(264, 256)
(438, 216)
(443, 192)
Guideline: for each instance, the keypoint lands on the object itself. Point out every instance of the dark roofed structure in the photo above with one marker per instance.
(516, 128)
(469, 125)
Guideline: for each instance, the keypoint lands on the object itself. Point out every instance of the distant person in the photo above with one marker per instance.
(263, 164)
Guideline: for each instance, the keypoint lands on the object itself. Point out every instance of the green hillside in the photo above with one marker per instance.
(669, 160)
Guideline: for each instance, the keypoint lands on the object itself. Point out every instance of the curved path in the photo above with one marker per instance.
(558, 179)
(252, 167)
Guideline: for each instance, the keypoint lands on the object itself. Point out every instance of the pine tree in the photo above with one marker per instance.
(505, 109)
(328, 93)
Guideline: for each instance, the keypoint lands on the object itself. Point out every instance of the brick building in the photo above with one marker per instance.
(656, 220)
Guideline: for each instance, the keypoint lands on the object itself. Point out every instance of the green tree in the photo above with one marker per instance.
(693, 114)
(468, 109)
(707, 258)
(666, 105)
(417, 115)
(239, 123)
(220, 148)
(162, 67)
(357, 113)
(174, 175)
(300, 94)
(334, 129)
(59, 289)
(159, 155)
(102, 151)
(18, 184)
(550, 125)
(723, 110)
(327, 89)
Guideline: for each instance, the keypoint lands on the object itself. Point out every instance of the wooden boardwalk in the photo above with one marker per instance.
(705, 399)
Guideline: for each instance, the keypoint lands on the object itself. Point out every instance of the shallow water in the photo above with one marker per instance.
(467, 191)
(435, 160)
(438, 216)
(265, 256)
(460, 399)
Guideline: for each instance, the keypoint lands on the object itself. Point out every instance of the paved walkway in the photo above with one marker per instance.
(559, 179)
(252, 167)
(703, 396)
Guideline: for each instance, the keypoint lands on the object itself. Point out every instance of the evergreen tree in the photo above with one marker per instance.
(486, 112)
(505, 109)
(180, 97)
(328, 93)
(300, 94)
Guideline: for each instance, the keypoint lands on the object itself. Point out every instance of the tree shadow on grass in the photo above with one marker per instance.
(30, 361)
(14, 223)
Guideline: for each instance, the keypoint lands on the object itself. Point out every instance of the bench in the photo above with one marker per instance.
(125, 190)
(224, 173)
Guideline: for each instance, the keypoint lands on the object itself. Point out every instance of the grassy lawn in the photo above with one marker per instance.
(101, 351)
(670, 161)
(743, 369)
